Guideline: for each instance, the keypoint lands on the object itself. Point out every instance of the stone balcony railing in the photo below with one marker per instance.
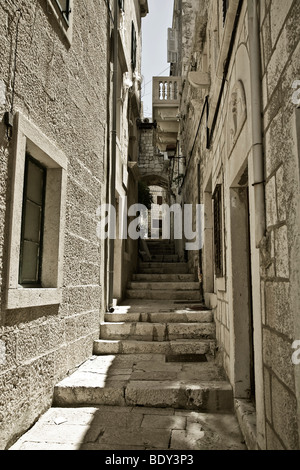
(166, 102)
(166, 91)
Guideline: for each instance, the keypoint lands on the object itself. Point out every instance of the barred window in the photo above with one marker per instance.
(218, 242)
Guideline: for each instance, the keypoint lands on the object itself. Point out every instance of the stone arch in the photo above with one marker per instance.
(155, 180)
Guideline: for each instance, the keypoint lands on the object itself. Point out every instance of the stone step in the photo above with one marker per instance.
(178, 316)
(164, 258)
(160, 264)
(166, 269)
(157, 331)
(168, 250)
(207, 397)
(179, 286)
(175, 347)
(163, 248)
(163, 294)
(160, 246)
(163, 278)
(163, 268)
(148, 381)
(160, 243)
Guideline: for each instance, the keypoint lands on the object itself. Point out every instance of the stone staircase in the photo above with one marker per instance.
(156, 349)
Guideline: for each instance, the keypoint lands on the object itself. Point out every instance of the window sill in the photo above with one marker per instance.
(27, 297)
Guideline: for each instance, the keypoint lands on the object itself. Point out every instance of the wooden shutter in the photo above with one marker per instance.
(218, 239)
(133, 47)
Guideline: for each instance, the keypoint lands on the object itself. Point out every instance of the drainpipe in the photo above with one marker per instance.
(113, 152)
(259, 197)
(257, 125)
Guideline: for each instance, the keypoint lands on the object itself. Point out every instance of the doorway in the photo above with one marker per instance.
(244, 374)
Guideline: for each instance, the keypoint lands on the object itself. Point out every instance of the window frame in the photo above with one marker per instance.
(218, 231)
(37, 283)
(28, 138)
(65, 14)
(133, 47)
(225, 6)
(65, 23)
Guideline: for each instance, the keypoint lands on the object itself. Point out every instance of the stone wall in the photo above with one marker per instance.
(280, 253)
(59, 84)
(128, 114)
(192, 142)
(153, 167)
(259, 276)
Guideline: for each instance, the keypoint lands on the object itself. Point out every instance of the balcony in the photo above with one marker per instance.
(166, 103)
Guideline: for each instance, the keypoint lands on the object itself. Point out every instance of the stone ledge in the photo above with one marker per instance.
(23, 298)
(246, 416)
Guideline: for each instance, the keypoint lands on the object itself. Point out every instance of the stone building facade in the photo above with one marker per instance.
(153, 164)
(56, 150)
(128, 107)
(239, 133)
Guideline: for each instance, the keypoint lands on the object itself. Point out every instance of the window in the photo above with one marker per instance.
(62, 10)
(225, 9)
(32, 222)
(218, 243)
(159, 200)
(133, 47)
(121, 5)
(37, 223)
(65, 9)
(172, 46)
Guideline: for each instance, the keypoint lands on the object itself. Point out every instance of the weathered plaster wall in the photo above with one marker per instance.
(62, 89)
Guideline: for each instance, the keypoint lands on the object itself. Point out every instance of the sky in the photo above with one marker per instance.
(154, 54)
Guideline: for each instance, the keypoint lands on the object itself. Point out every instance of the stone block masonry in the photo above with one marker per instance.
(152, 166)
(58, 82)
(280, 27)
(253, 287)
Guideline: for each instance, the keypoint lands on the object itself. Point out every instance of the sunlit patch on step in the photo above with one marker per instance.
(186, 358)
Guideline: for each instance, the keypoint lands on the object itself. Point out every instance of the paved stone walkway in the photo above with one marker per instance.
(132, 428)
(131, 384)
(145, 395)
(152, 383)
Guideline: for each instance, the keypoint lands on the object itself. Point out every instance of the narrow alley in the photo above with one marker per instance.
(150, 226)
(153, 382)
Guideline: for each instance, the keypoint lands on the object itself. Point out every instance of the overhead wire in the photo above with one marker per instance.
(150, 81)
